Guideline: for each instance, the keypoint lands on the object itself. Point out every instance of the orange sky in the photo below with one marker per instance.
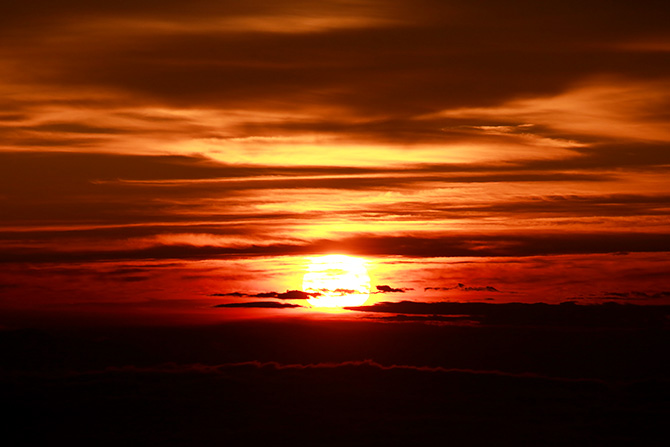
(161, 152)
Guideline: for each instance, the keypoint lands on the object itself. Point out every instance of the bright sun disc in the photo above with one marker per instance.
(339, 280)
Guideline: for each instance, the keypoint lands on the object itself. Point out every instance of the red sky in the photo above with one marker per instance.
(177, 180)
(153, 154)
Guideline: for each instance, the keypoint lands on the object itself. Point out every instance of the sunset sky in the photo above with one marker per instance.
(188, 163)
(161, 152)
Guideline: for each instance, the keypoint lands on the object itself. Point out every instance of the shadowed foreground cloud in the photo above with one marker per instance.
(420, 383)
(536, 314)
(389, 289)
(239, 402)
(301, 295)
(464, 288)
(629, 296)
(260, 305)
(288, 295)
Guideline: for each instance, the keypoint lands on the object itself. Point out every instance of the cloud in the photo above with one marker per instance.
(288, 295)
(171, 368)
(293, 295)
(235, 294)
(265, 58)
(465, 288)
(606, 108)
(341, 291)
(260, 305)
(430, 319)
(627, 296)
(103, 188)
(454, 245)
(536, 314)
(260, 400)
(389, 289)
(191, 53)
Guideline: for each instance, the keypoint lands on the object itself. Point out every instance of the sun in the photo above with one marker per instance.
(339, 280)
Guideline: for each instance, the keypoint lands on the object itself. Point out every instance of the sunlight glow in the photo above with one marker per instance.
(340, 280)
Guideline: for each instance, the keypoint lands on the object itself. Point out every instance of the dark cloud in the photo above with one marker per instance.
(235, 294)
(128, 270)
(80, 168)
(486, 245)
(609, 155)
(288, 295)
(576, 205)
(260, 305)
(135, 278)
(537, 314)
(427, 62)
(430, 319)
(231, 376)
(464, 288)
(66, 127)
(609, 353)
(389, 289)
(259, 402)
(507, 245)
(341, 291)
(628, 296)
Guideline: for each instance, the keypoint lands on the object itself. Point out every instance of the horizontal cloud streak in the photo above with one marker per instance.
(259, 305)
(537, 314)
(463, 244)
(224, 368)
(288, 295)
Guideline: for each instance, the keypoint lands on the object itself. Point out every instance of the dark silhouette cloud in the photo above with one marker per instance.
(260, 305)
(342, 291)
(463, 244)
(240, 401)
(297, 295)
(465, 288)
(537, 314)
(609, 353)
(389, 289)
(235, 294)
(628, 296)
(288, 295)
(394, 403)
(430, 319)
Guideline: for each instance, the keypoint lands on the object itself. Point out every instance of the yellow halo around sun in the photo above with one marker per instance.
(339, 280)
